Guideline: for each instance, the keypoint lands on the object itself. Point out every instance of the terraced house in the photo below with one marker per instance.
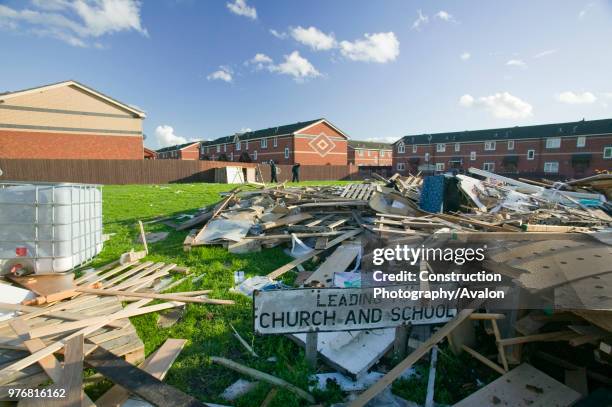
(68, 120)
(187, 151)
(314, 142)
(558, 150)
(369, 154)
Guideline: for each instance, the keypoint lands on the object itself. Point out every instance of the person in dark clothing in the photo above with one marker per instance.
(295, 170)
(273, 171)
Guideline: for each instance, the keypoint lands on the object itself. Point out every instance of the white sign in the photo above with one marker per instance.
(343, 309)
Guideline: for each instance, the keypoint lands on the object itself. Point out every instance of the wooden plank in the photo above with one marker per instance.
(545, 337)
(524, 386)
(287, 220)
(294, 263)
(138, 381)
(72, 379)
(263, 377)
(157, 365)
(483, 359)
(91, 322)
(169, 297)
(401, 367)
(339, 260)
(69, 316)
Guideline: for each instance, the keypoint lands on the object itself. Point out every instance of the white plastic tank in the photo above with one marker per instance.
(47, 227)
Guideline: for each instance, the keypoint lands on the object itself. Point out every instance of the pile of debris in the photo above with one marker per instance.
(551, 238)
(85, 319)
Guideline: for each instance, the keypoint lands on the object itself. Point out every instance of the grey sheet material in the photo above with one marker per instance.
(225, 229)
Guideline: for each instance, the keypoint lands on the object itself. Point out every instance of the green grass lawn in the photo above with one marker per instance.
(207, 327)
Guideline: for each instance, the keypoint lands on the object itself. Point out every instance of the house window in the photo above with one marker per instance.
(225, 148)
(369, 153)
(472, 155)
(360, 152)
(275, 142)
(264, 143)
(427, 157)
(607, 154)
(401, 166)
(580, 141)
(551, 167)
(218, 148)
(382, 153)
(554, 142)
(457, 147)
(254, 155)
(238, 146)
(530, 154)
(232, 156)
(439, 166)
(489, 145)
(246, 144)
(440, 147)
(488, 167)
(286, 152)
(414, 149)
(401, 148)
(510, 144)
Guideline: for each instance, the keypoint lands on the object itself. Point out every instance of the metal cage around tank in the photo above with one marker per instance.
(49, 227)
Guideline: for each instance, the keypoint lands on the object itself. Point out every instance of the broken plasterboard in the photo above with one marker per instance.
(225, 229)
(338, 349)
(522, 386)
(13, 295)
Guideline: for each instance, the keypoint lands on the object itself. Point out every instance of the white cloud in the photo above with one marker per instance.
(421, 20)
(545, 53)
(165, 136)
(297, 66)
(517, 62)
(314, 38)
(585, 10)
(259, 61)
(74, 22)
(576, 98)
(241, 8)
(465, 56)
(466, 100)
(277, 34)
(444, 16)
(607, 95)
(500, 105)
(379, 47)
(223, 74)
(385, 139)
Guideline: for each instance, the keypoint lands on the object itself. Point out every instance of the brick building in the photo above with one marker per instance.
(559, 150)
(315, 142)
(187, 151)
(369, 154)
(68, 120)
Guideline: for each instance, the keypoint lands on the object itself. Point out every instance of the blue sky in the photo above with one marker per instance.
(378, 70)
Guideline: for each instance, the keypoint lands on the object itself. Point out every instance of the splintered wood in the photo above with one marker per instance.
(97, 315)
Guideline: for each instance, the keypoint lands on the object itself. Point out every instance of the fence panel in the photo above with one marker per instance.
(151, 171)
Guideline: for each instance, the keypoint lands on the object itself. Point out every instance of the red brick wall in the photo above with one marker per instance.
(370, 157)
(306, 152)
(563, 155)
(263, 154)
(190, 153)
(24, 144)
(300, 149)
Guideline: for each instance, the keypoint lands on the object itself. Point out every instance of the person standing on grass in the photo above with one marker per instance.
(295, 170)
(273, 171)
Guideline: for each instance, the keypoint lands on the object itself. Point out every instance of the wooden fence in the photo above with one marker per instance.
(151, 171)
